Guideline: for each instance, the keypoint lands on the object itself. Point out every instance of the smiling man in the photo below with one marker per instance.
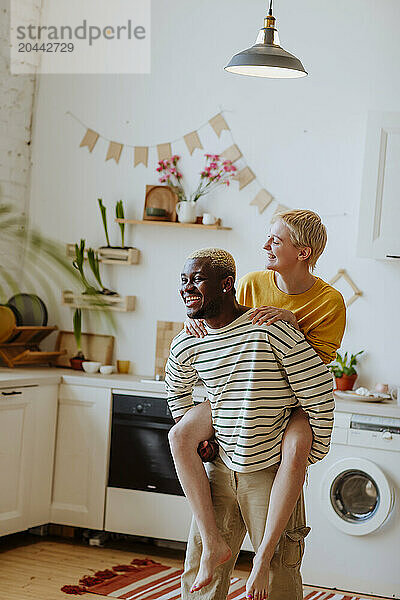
(254, 375)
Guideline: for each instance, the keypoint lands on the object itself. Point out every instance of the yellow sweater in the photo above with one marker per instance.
(320, 311)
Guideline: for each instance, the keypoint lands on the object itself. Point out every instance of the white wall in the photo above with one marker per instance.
(303, 138)
(16, 101)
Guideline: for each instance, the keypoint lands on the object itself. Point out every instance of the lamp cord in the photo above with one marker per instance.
(270, 8)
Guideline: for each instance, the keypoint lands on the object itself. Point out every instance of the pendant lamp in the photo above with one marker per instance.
(266, 58)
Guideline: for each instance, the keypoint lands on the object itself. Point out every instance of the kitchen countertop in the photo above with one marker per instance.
(47, 375)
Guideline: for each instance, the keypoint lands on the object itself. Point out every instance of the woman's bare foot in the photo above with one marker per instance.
(214, 554)
(257, 583)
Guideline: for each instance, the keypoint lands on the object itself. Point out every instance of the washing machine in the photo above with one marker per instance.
(352, 502)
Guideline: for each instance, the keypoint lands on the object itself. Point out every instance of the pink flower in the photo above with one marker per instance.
(215, 157)
(227, 182)
(214, 165)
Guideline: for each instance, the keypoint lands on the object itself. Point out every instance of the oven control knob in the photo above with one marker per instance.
(386, 435)
(139, 408)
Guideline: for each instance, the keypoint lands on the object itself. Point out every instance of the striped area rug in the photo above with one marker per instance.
(148, 580)
(312, 594)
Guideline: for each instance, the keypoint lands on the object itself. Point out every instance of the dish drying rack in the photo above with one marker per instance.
(23, 346)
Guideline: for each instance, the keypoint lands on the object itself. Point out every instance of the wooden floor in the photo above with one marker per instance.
(34, 568)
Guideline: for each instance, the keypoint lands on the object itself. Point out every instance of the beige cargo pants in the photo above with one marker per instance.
(241, 503)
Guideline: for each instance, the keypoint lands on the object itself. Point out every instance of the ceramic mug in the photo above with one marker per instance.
(208, 219)
(123, 366)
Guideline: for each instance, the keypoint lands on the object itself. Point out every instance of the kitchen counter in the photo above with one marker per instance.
(22, 376)
(48, 375)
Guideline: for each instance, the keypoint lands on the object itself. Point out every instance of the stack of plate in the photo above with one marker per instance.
(21, 310)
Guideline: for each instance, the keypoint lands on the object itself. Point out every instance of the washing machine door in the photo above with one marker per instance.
(356, 496)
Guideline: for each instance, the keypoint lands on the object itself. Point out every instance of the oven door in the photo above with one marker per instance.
(140, 457)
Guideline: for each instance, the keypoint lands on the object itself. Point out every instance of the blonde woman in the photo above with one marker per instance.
(287, 290)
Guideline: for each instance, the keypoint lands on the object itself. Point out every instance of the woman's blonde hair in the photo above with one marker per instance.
(306, 230)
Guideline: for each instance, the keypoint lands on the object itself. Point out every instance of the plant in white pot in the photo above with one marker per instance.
(216, 172)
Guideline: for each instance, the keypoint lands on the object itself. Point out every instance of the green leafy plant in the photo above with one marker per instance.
(77, 320)
(95, 266)
(119, 213)
(103, 211)
(344, 365)
(31, 262)
(78, 264)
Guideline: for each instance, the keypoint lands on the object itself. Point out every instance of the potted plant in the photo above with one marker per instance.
(77, 360)
(78, 265)
(216, 172)
(103, 211)
(119, 214)
(95, 266)
(344, 370)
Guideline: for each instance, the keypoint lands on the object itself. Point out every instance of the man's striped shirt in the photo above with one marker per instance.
(254, 375)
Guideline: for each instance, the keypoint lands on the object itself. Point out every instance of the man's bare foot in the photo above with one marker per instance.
(212, 556)
(257, 583)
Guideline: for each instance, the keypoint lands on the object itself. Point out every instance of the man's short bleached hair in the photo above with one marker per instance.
(306, 230)
(219, 259)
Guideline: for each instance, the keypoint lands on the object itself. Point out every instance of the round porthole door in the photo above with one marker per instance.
(356, 496)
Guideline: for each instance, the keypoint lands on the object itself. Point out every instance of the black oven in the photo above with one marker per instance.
(140, 457)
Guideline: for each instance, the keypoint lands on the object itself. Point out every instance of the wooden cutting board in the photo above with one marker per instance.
(166, 331)
(95, 347)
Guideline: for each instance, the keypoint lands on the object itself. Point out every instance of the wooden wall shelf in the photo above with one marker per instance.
(87, 301)
(171, 224)
(111, 256)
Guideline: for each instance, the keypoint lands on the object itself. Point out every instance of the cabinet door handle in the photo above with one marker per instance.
(392, 256)
(11, 393)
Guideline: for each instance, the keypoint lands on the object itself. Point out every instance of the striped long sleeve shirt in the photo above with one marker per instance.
(254, 376)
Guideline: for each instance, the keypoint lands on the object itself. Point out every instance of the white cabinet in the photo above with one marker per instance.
(27, 431)
(379, 222)
(44, 415)
(81, 459)
(16, 446)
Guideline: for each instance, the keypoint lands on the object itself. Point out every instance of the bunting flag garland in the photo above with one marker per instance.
(164, 151)
(90, 138)
(219, 124)
(141, 155)
(244, 175)
(192, 141)
(232, 153)
(262, 200)
(114, 151)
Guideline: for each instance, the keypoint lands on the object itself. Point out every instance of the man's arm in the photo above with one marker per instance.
(312, 385)
(179, 382)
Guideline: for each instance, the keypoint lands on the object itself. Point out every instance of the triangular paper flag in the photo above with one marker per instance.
(164, 151)
(192, 141)
(218, 123)
(281, 208)
(141, 155)
(262, 200)
(114, 151)
(244, 177)
(232, 153)
(90, 138)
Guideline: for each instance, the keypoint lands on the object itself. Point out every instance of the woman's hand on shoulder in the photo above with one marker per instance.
(271, 314)
(195, 327)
